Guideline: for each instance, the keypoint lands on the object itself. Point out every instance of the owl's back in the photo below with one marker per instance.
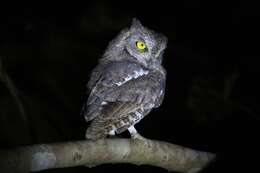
(124, 93)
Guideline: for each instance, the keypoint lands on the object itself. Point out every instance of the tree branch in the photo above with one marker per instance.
(92, 153)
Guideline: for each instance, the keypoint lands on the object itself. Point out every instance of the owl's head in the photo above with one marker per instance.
(137, 43)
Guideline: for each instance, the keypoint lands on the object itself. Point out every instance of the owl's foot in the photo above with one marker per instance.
(134, 134)
(137, 136)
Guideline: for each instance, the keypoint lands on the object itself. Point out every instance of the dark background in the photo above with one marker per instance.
(212, 92)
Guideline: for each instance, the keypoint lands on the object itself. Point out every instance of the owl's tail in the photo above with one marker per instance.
(95, 132)
(95, 136)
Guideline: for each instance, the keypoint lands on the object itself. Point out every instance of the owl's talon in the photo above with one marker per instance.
(137, 136)
(134, 134)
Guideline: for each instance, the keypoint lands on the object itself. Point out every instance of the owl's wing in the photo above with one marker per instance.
(120, 90)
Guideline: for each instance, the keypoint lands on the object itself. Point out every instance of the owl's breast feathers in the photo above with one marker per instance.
(119, 89)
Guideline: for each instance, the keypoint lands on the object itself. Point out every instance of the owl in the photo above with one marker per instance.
(127, 83)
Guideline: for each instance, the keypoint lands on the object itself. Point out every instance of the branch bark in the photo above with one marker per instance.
(92, 153)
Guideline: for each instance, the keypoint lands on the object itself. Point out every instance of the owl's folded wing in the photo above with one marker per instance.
(124, 86)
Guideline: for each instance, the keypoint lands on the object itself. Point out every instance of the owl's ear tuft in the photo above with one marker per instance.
(136, 24)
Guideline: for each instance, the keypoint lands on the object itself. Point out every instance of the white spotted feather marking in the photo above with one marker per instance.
(136, 74)
(104, 103)
(138, 117)
(138, 114)
(112, 132)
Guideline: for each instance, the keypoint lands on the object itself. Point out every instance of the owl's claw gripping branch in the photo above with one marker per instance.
(134, 134)
(92, 153)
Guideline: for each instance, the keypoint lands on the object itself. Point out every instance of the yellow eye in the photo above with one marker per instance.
(140, 45)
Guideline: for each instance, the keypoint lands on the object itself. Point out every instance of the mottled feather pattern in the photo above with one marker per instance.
(119, 112)
(126, 84)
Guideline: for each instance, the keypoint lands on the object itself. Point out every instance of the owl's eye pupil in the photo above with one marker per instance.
(140, 45)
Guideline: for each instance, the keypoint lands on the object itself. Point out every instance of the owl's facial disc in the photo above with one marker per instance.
(138, 48)
(144, 45)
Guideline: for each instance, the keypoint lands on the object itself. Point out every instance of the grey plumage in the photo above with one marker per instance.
(127, 83)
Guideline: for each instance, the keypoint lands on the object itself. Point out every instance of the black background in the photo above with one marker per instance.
(212, 92)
